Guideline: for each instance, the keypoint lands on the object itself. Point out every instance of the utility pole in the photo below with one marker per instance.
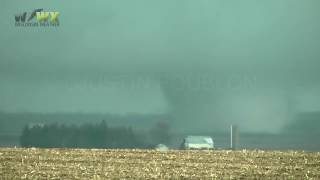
(234, 137)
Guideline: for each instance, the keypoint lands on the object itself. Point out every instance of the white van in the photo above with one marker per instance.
(197, 142)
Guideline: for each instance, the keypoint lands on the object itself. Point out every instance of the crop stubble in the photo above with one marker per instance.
(32, 163)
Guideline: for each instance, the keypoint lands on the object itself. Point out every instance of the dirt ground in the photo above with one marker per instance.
(32, 163)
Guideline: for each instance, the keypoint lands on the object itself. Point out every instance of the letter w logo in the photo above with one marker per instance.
(21, 17)
(42, 16)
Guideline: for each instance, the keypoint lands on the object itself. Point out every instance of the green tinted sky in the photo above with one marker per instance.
(270, 44)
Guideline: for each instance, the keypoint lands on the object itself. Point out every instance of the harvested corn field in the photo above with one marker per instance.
(19, 163)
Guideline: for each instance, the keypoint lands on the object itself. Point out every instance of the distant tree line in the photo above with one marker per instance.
(92, 136)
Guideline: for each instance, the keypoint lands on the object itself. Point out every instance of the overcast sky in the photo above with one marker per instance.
(257, 61)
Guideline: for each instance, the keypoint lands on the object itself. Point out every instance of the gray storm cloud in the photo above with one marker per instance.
(208, 63)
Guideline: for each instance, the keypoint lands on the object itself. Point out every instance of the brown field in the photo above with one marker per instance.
(19, 163)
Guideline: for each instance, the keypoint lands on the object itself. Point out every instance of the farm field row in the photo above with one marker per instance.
(33, 163)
